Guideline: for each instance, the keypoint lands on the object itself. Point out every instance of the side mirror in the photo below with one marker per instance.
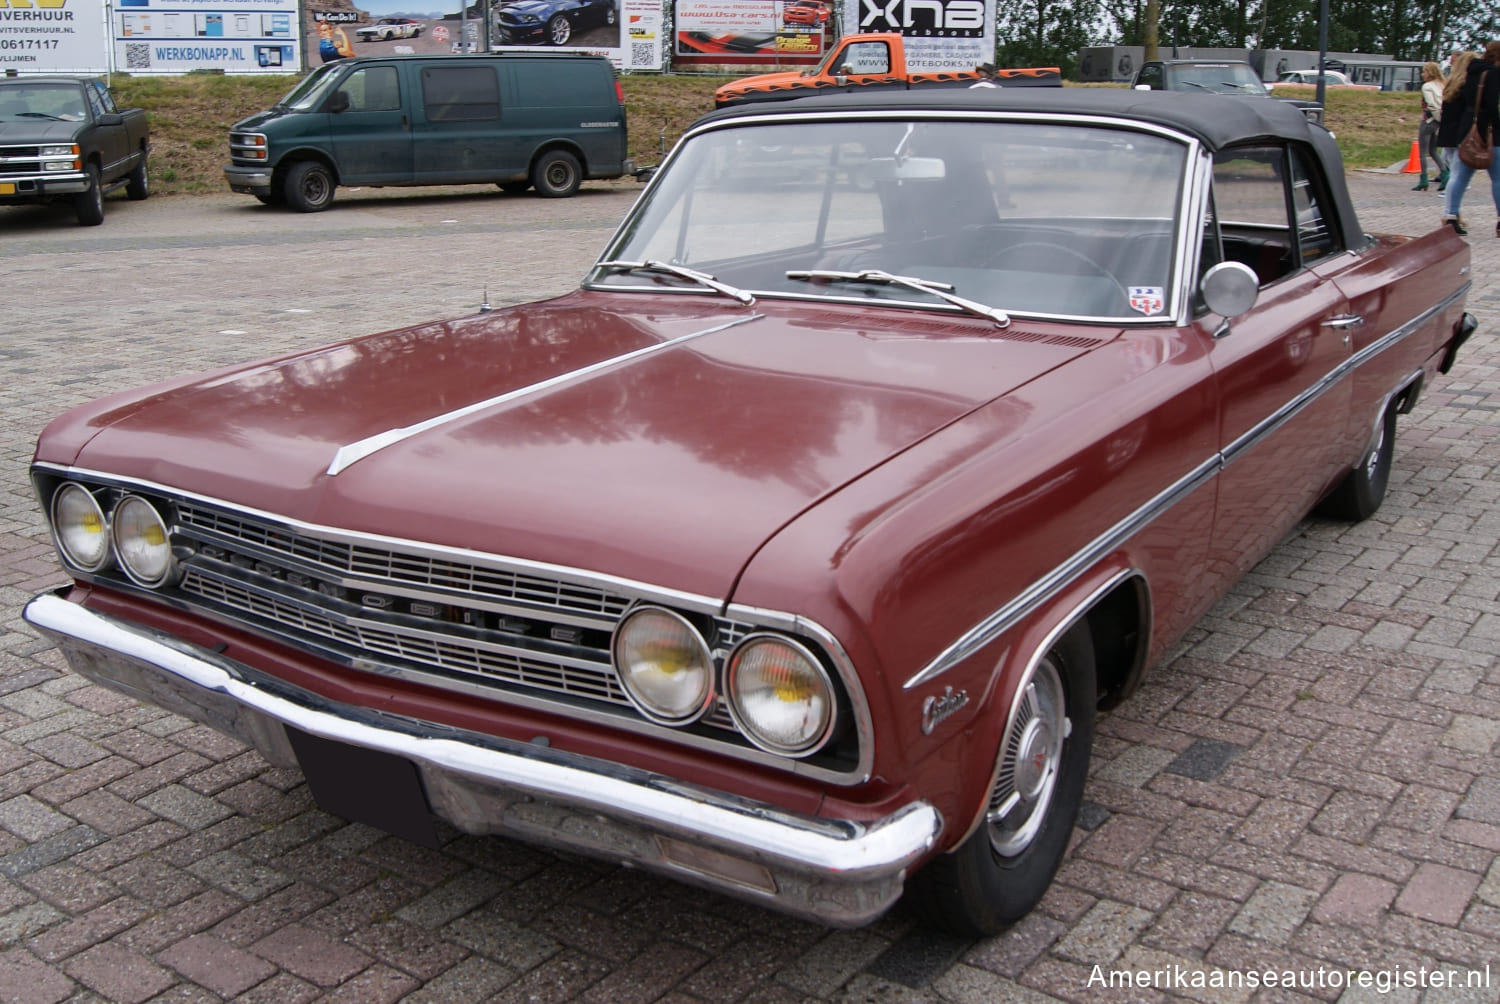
(338, 102)
(1229, 288)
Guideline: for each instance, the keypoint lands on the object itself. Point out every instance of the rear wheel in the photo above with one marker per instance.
(139, 184)
(556, 174)
(996, 876)
(89, 206)
(1363, 489)
(308, 187)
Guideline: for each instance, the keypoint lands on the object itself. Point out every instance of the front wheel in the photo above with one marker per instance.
(89, 206)
(996, 876)
(559, 30)
(556, 174)
(138, 186)
(308, 187)
(1363, 489)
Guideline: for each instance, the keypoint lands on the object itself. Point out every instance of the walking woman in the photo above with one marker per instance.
(1478, 104)
(1432, 112)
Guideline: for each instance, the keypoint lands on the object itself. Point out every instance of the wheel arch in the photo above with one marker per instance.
(294, 157)
(1113, 605)
(566, 146)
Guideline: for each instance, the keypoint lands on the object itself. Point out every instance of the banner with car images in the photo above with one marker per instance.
(751, 31)
(626, 32)
(64, 36)
(938, 34)
(178, 36)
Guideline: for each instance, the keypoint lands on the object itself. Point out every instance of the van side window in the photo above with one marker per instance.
(373, 89)
(460, 93)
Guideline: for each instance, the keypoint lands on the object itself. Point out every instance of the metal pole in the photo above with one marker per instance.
(1322, 45)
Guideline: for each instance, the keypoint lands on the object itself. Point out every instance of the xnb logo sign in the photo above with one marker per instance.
(924, 18)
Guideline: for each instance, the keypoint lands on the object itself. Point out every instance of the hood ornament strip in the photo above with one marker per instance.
(352, 453)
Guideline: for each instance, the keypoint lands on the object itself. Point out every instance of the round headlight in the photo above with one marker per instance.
(664, 665)
(78, 524)
(780, 695)
(141, 541)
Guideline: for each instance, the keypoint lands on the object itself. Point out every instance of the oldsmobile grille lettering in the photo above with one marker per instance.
(939, 708)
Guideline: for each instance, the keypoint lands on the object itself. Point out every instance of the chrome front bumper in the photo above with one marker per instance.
(248, 180)
(837, 872)
(42, 185)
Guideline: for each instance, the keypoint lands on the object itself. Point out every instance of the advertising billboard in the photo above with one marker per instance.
(751, 31)
(236, 36)
(938, 34)
(52, 36)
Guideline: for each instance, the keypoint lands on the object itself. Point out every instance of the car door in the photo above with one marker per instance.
(369, 127)
(460, 135)
(1280, 368)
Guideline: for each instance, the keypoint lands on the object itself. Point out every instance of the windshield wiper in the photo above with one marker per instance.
(39, 115)
(692, 275)
(941, 290)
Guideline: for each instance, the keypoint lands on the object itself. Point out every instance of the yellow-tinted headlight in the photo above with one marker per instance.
(79, 528)
(141, 541)
(780, 695)
(664, 665)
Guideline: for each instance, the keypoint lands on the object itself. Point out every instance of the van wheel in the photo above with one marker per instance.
(308, 187)
(89, 206)
(139, 184)
(1000, 873)
(559, 30)
(556, 174)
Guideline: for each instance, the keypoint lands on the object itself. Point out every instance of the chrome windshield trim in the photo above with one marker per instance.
(1054, 581)
(352, 453)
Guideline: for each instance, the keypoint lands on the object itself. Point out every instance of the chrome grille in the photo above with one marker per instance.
(407, 569)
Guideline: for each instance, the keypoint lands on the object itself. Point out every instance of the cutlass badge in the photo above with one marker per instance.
(936, 709)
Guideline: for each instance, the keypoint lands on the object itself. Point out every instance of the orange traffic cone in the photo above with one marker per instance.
(1414, 162)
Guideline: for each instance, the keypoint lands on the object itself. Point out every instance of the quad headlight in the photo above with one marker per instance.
(664, 665)
(780, 695)
(79, 527)
(141, 542)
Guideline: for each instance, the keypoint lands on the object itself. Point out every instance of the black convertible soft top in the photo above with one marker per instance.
(1216, 120)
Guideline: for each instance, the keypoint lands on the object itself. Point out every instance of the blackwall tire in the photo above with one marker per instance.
(89, 206)
(1359, 495)
(556, 174)
(138, 186)
(309, 186)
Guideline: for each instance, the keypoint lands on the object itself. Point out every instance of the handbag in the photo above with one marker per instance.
(1474, 151)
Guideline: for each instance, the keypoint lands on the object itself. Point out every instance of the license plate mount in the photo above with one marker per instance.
(365, 786)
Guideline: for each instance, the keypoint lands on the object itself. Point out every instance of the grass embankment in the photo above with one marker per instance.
(190, 117)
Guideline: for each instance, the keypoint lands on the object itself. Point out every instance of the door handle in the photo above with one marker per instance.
(1344, 321)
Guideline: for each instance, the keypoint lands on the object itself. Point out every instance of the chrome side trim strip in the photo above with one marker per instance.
(352, 453)
(1054, 581)
(838, 871)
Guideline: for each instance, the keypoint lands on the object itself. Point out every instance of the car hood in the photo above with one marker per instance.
(38, 131)
(653, 437)
(537, 8)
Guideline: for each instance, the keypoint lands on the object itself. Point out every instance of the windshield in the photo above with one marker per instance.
(1223, 77)
(1017, 216)
(310, 89)
(63, 102)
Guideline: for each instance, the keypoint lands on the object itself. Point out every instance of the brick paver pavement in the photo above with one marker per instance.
(1310, 784)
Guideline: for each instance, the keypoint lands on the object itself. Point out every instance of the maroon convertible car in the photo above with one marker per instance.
(793, 554)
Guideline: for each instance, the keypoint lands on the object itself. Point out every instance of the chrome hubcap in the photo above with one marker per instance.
(1030, 759)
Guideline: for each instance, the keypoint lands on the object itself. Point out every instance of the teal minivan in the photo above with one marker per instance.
(518, 120)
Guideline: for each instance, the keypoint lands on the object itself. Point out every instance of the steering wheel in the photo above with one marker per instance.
(1065, 251)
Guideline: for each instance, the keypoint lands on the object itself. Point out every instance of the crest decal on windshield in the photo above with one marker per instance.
(1147, 300)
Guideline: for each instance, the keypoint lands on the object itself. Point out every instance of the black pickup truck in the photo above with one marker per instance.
(63, 138)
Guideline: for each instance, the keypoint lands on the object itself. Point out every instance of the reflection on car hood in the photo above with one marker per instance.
(538, 8)
(38, 131)
(663, 445)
